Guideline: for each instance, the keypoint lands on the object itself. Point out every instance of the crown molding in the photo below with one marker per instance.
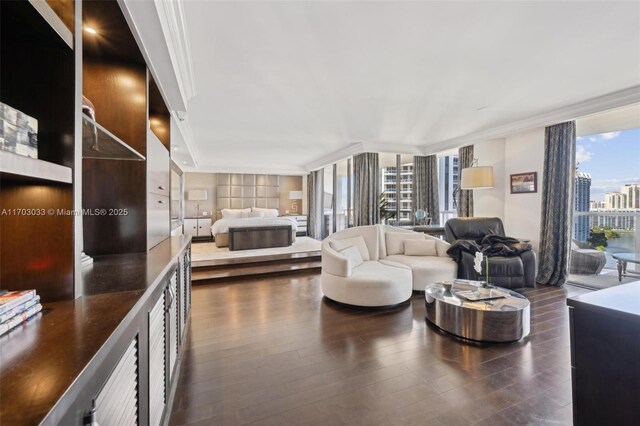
(174, 29)
(213, 168)
(595, 105)
(393, 148)
(341, 154)
(185, 131)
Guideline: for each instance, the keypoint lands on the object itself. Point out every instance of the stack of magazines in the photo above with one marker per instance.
(17, 307)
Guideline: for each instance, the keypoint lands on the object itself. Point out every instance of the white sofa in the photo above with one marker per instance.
(375, 266)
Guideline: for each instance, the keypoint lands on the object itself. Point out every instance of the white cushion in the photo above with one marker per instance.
(254, 214)
(370, 284)
(395, 241)
(267, 212)
(353, 254)
(420, 248)
(234, 213)
(358, 242)
(426, 269)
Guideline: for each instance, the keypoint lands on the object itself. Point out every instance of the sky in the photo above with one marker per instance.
(612, 159)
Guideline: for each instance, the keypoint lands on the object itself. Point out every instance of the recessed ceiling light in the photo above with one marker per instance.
(90, 30)
(481, 108)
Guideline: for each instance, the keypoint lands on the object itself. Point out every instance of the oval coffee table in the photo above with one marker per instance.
(497, 320)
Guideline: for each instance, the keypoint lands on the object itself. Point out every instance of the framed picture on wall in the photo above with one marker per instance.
(524, 183)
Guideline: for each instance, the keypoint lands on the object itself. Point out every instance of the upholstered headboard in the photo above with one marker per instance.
(239, 191)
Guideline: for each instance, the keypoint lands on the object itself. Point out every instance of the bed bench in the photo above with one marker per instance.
(260, 237)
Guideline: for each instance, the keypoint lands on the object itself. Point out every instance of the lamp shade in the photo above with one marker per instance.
(197, 194)
(477, 178)
(295, 195)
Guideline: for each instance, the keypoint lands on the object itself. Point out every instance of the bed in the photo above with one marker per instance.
(254, 232)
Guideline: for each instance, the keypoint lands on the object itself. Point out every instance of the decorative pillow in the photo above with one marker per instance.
(234, 213)
(420, 248)
(266, 212)
(353, 254)
(253, 214)
(395, 241)
(357, 242)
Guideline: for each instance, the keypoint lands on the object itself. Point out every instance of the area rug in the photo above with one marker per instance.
(599, 282)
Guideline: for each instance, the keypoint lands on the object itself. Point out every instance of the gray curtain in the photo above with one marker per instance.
(315, 191)
(367, 189)
(557, 203)
(465, 196)
(425, 186)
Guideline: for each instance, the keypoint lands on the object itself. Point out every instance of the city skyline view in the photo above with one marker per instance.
(612, 159)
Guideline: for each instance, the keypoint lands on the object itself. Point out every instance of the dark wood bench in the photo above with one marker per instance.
(260, 237)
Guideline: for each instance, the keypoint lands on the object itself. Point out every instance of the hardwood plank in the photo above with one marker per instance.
(273, 351)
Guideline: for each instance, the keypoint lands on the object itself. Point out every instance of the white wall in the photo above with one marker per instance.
(518, 153)
(490, 202)
(200, 181)
(524, 152)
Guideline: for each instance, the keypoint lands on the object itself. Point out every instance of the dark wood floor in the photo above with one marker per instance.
(274, 352)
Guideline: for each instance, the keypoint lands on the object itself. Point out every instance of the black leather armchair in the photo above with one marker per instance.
(509, 272)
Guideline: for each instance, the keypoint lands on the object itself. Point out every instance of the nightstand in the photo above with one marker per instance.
(198, 226)
(302, 224)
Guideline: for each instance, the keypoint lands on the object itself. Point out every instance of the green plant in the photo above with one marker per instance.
(597, 238)
(385, 212)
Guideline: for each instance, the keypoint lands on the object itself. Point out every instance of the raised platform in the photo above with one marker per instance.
(210, 263)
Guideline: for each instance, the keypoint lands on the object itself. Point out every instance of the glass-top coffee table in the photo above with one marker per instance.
(504, 319)
(623, 259)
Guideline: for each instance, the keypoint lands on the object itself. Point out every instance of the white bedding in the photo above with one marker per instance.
(222, 226)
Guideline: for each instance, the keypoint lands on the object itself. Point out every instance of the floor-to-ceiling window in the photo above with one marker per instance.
(448, 178)
(405, 172)
(328, 202)
(389, 188)
(342, 193)
(607, 193)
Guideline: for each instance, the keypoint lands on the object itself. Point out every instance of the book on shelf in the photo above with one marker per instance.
(12, 299)
(19, 309)
(20, 318)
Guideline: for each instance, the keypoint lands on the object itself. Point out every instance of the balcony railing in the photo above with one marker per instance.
(623, 227)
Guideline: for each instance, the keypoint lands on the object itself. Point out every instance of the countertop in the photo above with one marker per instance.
(42, 359)
(621, 300)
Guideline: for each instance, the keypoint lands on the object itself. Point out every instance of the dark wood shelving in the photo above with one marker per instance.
(36, 247)
(38, 78)
(159, 118)
(115, 81)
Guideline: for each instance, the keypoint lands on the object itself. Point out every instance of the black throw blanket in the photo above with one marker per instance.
(489, 245)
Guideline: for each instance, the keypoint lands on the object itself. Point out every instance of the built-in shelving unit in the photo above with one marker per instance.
(100, 144)
(18, 166)
(114, 80)
(38, 78)
(55, 20)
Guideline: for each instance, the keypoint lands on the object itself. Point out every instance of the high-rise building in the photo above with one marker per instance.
(582, 187)
(389, 189)
(632, 193)
(615, 201)
(449, 173)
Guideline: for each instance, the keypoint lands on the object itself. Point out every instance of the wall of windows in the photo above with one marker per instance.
(448, 178)
(342, 194)
(328, 202)
(396, 189)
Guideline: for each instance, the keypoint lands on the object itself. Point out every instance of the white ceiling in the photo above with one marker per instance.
(281, 84)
